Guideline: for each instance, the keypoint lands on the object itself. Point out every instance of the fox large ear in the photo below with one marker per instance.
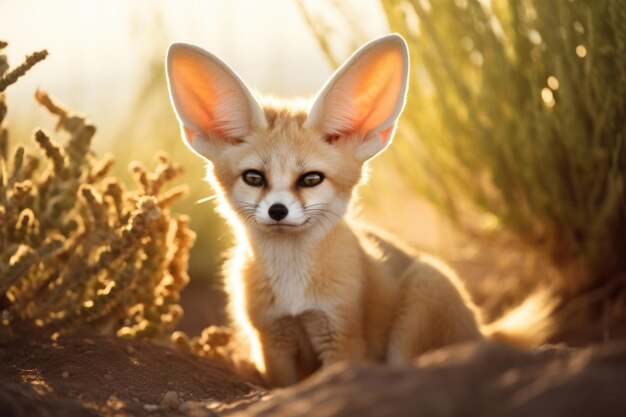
(363, 99)
(213, 105)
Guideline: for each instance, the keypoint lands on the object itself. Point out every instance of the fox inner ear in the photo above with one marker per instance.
(213, 105)
(363, 99)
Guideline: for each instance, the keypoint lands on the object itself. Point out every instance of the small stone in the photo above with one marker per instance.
(170, 400)
(108, 377)
(65, 375)
(150, 407)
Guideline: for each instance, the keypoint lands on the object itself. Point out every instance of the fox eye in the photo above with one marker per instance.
(311, 179)
(253, 177)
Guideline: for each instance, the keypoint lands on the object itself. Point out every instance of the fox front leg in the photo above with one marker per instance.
(334, 340)
(279, 342)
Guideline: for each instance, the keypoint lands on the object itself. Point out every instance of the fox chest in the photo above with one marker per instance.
(292, 281)
(292, 295)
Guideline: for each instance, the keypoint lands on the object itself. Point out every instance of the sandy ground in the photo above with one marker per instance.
(103, 376)
(106, 376)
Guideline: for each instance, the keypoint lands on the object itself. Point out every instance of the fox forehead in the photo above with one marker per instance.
(285, 147)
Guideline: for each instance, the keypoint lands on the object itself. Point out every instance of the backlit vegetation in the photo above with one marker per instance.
(78, 250)
(515, 125)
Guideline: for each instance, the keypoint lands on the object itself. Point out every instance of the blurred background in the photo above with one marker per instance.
(509, 160)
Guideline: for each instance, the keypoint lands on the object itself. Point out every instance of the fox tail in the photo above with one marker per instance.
(528, 324)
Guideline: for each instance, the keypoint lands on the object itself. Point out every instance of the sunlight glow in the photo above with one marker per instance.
(234, 279)
(103, 53)
(553, 82)
(530, 320)
(476, 58)
(548, 97)
(534, 37)
(239, 306)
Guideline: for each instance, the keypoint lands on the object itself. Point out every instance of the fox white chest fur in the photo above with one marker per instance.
(307, 287)
(289, 269)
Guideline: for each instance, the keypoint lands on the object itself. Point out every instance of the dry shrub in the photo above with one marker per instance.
(77, 249)
(214, 342)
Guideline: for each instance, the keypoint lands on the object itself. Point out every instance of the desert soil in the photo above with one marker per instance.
(104, 376)
(107, 376)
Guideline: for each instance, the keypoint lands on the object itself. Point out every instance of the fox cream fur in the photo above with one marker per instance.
(308, 287)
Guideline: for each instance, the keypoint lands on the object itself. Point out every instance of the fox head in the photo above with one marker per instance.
(285, 169)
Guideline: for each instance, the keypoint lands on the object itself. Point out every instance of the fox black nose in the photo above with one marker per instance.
(278, 212)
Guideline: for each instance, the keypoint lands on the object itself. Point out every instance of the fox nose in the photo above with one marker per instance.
(278, 212)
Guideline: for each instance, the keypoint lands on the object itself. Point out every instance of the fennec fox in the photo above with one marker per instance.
(308, 287)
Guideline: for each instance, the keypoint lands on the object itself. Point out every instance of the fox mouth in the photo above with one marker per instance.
(284, 227)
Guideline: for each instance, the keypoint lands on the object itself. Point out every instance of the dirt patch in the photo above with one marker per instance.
(100, 376)
(87, 376)
(480, 379)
